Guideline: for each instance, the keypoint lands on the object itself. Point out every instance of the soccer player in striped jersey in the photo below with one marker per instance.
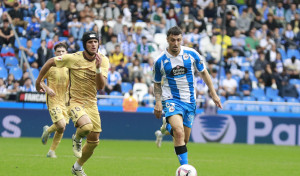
(175, 91)
(57, 81)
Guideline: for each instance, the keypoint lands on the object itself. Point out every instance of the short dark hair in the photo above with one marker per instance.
(174, 31)
(60, 45)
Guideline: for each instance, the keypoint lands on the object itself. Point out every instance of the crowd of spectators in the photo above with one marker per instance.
(258, 48)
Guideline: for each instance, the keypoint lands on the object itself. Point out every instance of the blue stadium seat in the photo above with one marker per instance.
(17, 72)
(126, 87)
(249, 68)
(291, 100)
(237, 107)
(258, 93)
(104, 102)
(295, 81)
(295, 109)
(36, 43)
(282, 52)
(282, 108)
(223, 99)
(263, 98)
(271, 92)
(11, 62)
(293, 52)
(267, 108)
(116, 101)
(248, 98)
(22, 42)
(3, 73)
(7, 49)
(252, 107)
(277, 99)
(35, 72)
(234, 98)
(63, 39)
(27, 19)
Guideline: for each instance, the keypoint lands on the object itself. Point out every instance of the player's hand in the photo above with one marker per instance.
(50, 92)
(39, 87)
(98, 60)
(158, 110)
(217, 101)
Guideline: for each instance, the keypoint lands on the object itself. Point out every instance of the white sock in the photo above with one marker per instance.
(51, 151)
(77, 166)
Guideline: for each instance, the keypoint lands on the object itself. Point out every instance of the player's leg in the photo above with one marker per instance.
(187, 133)
(84, 127)
(60, 125)
(165, 129)
(176, 122)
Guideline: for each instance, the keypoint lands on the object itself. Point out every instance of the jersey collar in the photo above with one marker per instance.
(170, 56)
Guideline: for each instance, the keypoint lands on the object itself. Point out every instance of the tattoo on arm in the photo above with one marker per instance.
(157, 91)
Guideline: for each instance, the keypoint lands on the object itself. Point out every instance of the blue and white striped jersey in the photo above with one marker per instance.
(177, 74)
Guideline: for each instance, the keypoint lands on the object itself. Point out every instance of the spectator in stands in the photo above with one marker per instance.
(25, 8)
(130, 104)
(9, 3)
(111, 45)
(226, 40)
(14, 88)
(195, 8)
(29, 53)
(48, 27)
(238, 42)
(76, 28)
(80, 5)
(118, 26)
(33, 28)
(235, 63)
(135, 70)
(243, 22)
(245, 84)
(293, 67)
(251, 42)
(140, 89)
(88, 24)
(17, 16)
(42, 13)
(149, 10)
(158, 18)
(271, 22)
(278, 38)
(117, 55)
(129, 48)
(2, 90)
(73, 46)
(43, 54)
(144, 50)
(212, 50)
(137, 36)
(147, 71)
(28, 87)
(260, 64)
(137, 11)
(268, 77)
(10, 79)
(266, 43)
(71, 11)
(217, 26)
(6, 35)
(232, 28)
(279, 13)
(201, 87)
(288, 90)
(200, 21)
(291, 12)
(112, 11)
(229, 16)
(171, 19)
(123, 70)
(271, 54)
(278, 64)
(210, 12)
(214, 79)
(229, 86)
(114, 80)
(123, 35)
(87, 12)
(257, 22)
(296, 23)
(289, 37)
(55, 40)
(60, 18)
(97, 9)
(186, 20)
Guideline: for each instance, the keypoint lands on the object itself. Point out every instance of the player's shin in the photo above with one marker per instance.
(87, 151)
(51, 129)
(182, 154)
(56, 140)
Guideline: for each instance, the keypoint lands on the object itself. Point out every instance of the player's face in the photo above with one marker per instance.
(174, 43)
(60, 51)
(92, 46)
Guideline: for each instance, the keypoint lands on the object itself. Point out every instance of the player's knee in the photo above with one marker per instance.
(86, 129)
(93, 144)
(178, 132)
(61, 129)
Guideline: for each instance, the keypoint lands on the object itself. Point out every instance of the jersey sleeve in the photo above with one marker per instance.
(156, 71)
(104, 65)
(199, 61)
(64, 61)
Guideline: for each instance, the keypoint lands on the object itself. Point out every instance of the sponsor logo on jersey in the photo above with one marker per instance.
(185, 56)
(166, 61)
(178, 70)
(59, 58)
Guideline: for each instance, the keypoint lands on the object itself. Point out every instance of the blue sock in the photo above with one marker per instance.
(182, 154)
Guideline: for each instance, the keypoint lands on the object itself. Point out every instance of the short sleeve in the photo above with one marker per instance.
(157, 71)
(104, 65)
(64, 61)
(199, 61)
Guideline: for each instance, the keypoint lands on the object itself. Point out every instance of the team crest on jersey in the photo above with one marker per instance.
(59, 59)
(171, 109)
(185, 56)
(166, 61)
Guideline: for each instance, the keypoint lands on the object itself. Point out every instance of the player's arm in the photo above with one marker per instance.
(47, 89)
(157, 88)
(206, 77)
(50, 63)
(100, 79)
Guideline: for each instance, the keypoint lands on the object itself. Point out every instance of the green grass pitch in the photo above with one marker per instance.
(27, 157)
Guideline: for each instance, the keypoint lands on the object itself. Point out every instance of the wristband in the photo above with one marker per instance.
(98, 70)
